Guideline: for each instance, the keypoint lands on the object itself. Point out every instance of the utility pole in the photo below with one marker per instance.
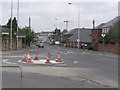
(17, 21)
(11, 25)
(93, 24)
(29, 24)
(29, 30)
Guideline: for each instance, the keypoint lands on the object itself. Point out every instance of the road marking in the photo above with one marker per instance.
(69, 52)
(21, 61)
(6, 61)
(75, 62)
(18, 56)
(12, 56)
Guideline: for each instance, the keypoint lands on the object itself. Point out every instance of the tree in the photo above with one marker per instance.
(57, 34)
(65, 38)
(29, 34)
(101, 40)
(113, 34)
(14, 24)
(9, 23)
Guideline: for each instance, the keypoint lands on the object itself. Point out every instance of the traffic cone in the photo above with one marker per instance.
(58, 59)
(25, 56)
(29, 58)
(48, 57)
(37, 56)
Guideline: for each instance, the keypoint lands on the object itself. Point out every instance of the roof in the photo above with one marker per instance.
(5, 30)
(108, 24)
(85, 34)
(111, 22)
(100, 26)
(22, 35)
(42, 33)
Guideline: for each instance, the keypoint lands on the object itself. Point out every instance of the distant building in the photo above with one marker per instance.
(43, 36)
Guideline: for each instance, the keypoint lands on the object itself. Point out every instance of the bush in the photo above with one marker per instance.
(101, 40)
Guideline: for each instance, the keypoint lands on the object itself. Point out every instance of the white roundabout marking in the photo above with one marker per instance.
(7, 61)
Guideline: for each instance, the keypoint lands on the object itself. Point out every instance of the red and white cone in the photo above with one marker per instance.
(37, 56)
(58, 59)
(29, 58)
(25, 56)
(48, 57)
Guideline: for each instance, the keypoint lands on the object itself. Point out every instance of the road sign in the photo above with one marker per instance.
(103, 34)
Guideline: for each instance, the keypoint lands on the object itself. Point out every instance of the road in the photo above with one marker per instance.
(81, 69)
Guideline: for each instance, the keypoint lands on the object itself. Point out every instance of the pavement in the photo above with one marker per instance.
(81, 69)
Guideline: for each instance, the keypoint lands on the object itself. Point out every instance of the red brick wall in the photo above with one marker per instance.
(111, 48)
(96, 33)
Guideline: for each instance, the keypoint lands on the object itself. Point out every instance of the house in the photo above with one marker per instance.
(106, 26)
(85, 36)
(103, 28)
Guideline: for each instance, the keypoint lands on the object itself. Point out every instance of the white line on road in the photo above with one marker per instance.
(18, 56)
(21, 61)
(12, 56)
(75, 62)
(6, 61)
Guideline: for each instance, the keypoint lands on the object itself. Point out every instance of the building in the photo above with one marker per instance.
(103, 28)
(85, 36)
(96, 33)
(42, 36)
(6, 39)
(106, 26)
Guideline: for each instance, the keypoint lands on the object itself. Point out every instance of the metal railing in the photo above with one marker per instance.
(11, 77)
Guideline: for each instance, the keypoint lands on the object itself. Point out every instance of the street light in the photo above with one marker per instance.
(78, 40)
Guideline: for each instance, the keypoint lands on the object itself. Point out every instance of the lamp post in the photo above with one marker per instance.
(78, 40)
(11, 25)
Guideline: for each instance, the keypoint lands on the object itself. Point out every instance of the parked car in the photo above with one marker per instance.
(41, 45)
(57, 42)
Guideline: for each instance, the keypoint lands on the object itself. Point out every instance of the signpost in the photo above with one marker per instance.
(103, 35)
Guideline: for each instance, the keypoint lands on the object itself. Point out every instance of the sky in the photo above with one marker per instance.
(47, 15)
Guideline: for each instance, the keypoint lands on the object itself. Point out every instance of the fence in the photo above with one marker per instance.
(75, 45)
(11, 77)
(110, 48)
(6, 44)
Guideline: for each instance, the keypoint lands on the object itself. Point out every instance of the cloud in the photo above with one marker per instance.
(43, 14)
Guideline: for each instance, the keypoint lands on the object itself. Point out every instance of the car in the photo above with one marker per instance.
(40, 45)
(57, 42)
